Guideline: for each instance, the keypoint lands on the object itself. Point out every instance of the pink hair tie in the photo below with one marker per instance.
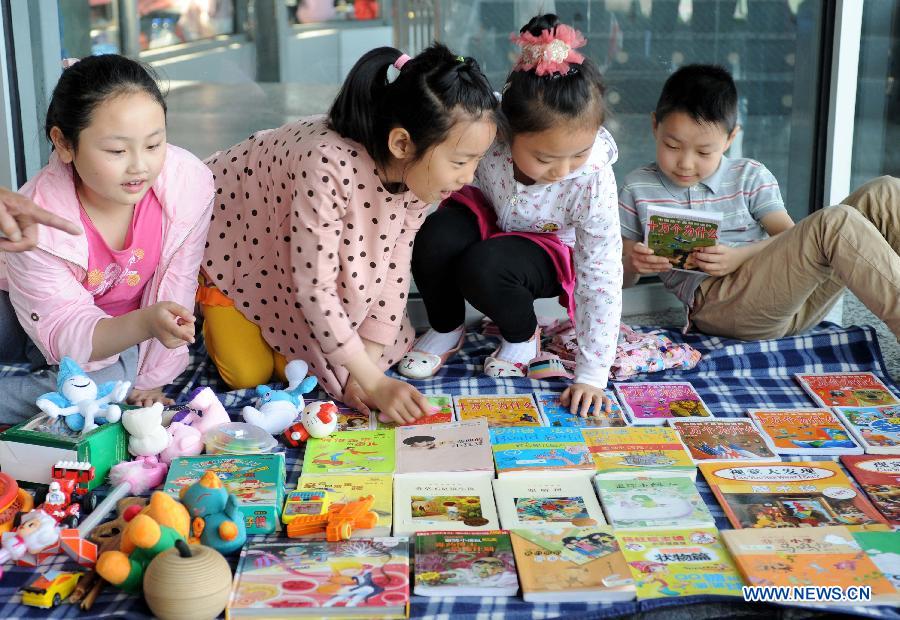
(550, 52)
(393, 71)
(404, 58)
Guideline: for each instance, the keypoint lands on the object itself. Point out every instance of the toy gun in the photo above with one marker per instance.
(339, 522)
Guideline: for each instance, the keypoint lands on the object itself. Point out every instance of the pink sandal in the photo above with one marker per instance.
(421, 365)
(496, 367)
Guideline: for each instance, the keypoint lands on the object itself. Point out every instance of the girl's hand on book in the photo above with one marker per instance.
(399, 400)
(580, 397)
(718, 260)
(170, 323)
(644, 261)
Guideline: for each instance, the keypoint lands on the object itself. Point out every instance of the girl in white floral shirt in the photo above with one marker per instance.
(542, 220)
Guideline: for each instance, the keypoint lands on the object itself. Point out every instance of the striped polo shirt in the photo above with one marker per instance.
(743, 190)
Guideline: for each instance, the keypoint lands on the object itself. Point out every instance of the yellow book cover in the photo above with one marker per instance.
(350, 487)
(685, 562)
(638, 449)
(499, 410)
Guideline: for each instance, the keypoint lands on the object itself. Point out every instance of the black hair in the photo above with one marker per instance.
(417, 439)
(706, 93)
(91, 81)
(533, 103)
(423, 99)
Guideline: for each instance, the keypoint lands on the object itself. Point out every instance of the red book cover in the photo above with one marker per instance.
(879, 476)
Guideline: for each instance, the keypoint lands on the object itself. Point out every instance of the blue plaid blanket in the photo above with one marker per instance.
(732, 377)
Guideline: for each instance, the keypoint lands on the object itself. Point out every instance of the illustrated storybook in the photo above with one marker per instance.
(456, 446)
(346, 488)
(795, 494)
(554, 414)
(510, 410)
(883, 548)
(540, 451)
(352, 420)
(571, 565)
(443, 413)
(877, 429)
(653, 503)
(654, 403)
(538, 501)
(821, 556)
(879, 476)
(732, 439)
(675, 233)
(444, 502)
(357, 452)
(638, 450)
(805, 431)
(679, 562)
(465, 564)
(846, 389)
(359, 578)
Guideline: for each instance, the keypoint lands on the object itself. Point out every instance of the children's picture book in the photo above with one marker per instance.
(443, 502)
(345, 488)
(822, 556)
(571, 565)
(676, 233)
(795, 494)
(359, 578)
(805, 431)
(352, 420)
(357, 452)
(511, 410)
(679, 562)
(256, 480)
(653, 503)
(465, 564)
(638, 450)
(877, 429)
(733, 439)
(443, 405)
(883, 548)
(846, 389)
(542, 450)
(456, 446)
(554, 414)
(654, 403)
(879, 476)
(542, 501)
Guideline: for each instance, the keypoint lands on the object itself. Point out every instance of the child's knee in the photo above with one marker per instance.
(243, 372)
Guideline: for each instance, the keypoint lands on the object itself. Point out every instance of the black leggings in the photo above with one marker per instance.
(500, 277)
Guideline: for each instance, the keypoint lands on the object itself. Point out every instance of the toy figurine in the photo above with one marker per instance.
(319, 419)
(204, 411)
(80, 400)
(37, 532)
(277, 409)
(216, 520)
(148, 436)
(184, 441)
(67, 500)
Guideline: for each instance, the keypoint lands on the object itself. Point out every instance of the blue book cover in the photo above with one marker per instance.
(554, 414)
(545, 449)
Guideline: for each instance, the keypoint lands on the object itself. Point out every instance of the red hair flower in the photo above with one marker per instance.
(550, 52)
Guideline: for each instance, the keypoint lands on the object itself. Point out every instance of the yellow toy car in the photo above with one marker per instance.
(50, 589)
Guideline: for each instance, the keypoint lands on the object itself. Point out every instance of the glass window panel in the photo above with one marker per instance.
(317, 11)
(170, 22)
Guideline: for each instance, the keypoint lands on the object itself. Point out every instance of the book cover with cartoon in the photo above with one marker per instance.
(676, 233)
(723, 440)
(519, 451)
(443, 502)
(638, 450)
(465, 564)
(345, 488)
(653, 503)
(654, 403)
(443, 404)
(846, 389)
(879, 476)
(795, 494)
(456, 446)
(352, 420)
(679, 562)
(512, 410)
(554, 414)
(357, 452)
(805, 431)
(876, 428)
(354, 578)
(883, 548)
(539, 501)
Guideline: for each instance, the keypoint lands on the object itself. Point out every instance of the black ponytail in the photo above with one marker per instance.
(424, 98)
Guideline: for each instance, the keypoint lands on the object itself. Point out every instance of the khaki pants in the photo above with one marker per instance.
(791, 284)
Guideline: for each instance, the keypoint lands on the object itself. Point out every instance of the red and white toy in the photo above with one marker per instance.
(319, 419)
(67, 500)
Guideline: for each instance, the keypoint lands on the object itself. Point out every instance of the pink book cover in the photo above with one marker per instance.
(654, 403)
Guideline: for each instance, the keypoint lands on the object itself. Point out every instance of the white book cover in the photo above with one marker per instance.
(443, 502)
(463, 447)
(547, 502)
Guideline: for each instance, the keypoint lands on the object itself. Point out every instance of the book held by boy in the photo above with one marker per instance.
(548, 501)
(356, 452)
(499, 410)
(642, 503)
(879, 477)
(675, 233)
(846, 389)
(654, 403)
(463, 447)
(877, 429)
(540, 450)
(638, 451)
(346, 488)
(722, 440)
(553, 413)
(465, 564)
(445, 502)
(804, 431)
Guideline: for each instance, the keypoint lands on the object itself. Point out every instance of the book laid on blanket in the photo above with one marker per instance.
(345, 488)
(676, 233)
(638, 450)
(540, 450)
(443, 502)
(359, 578)
(733, 439)
(554, 414)
(796, 494)
(443, 404)
(356, 452)
(846, 389)
(465, 564)
(554, 501)
(571, 565)
(352, 420)
(879, 476)
(654, 403)
(679, 562)
(883, 548)
(820, 556)
(463, 447)
(805, 431)
(877, 429)
(653, 503)
(499, 410)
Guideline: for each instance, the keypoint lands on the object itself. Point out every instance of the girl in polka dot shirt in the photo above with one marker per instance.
(541, 221)
(309, 248)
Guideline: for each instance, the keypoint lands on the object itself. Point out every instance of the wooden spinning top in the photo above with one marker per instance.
(187, 582)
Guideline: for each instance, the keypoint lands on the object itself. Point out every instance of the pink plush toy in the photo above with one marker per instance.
(208, 411)
(186, 441)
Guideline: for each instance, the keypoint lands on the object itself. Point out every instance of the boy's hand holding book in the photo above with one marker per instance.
(645, 261)
(718, 260)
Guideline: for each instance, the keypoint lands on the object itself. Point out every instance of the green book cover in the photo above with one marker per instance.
(676, 233)
(653, 503)
(356, 452)
(883, 548)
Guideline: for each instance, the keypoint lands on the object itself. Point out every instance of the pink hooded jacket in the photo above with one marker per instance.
(45, 284)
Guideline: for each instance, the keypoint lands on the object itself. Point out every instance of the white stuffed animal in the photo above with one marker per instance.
(148, 436)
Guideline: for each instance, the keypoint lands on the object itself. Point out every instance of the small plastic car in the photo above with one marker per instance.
(50, 589)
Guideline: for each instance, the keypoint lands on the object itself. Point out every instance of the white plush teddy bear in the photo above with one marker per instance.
(148, 436)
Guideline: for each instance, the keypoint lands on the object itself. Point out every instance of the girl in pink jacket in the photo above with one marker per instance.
(115, 299)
